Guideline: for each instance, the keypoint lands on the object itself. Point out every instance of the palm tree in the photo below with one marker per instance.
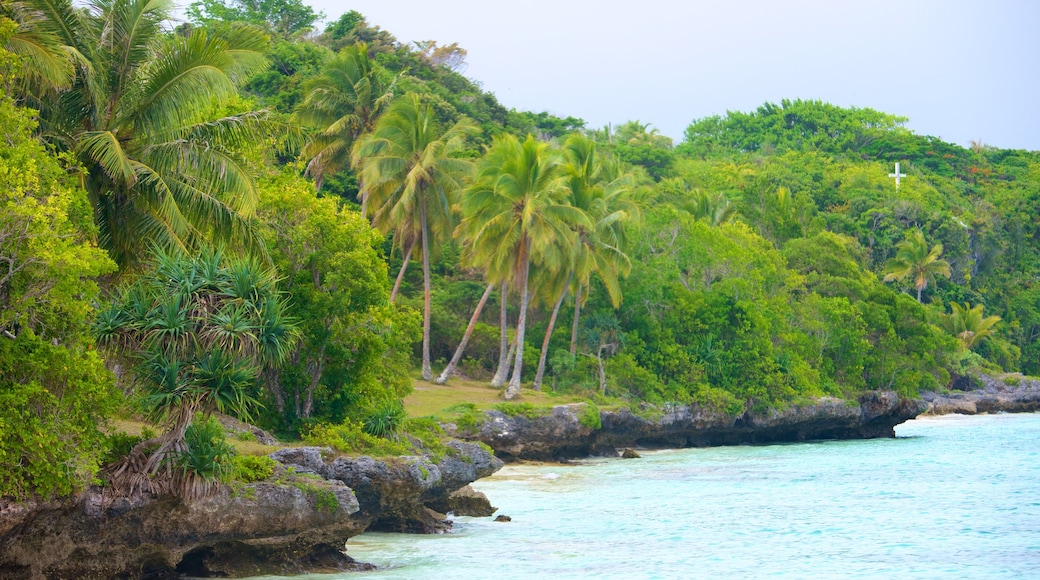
(146, 117)
(342, 103)
(968, 325)
(604, 194)
(49, 64)
(454, 362)
(513, 213)
(914, 260)
(411, 176)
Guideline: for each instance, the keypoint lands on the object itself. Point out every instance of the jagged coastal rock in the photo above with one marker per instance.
(563, 435)
(1008, 393)
(296, 522)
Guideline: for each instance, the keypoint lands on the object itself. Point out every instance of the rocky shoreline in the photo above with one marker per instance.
(298, 520)
(562, 435)
(1009, 393)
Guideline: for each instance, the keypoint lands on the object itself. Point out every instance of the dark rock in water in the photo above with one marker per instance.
(560, 435)
(630, 453)
(296, 524)
(503, 519)
(465, 502)
(1007, 393)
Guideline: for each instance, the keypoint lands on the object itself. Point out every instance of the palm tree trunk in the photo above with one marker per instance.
(404, 266)
(504, 354)
(427, 370)
(513, 389)
(548, 335)
(448, 370)
(602, 372)
(574, 326)
(919, 289)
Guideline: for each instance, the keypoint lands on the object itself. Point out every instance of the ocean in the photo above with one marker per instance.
(949, 497)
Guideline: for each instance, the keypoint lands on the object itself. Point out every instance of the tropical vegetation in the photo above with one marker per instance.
(218, 217)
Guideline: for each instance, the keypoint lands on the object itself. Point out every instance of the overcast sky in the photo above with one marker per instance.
(959, 70)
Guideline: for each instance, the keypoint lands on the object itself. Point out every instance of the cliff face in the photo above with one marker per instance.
(294, 523)
(561, 435)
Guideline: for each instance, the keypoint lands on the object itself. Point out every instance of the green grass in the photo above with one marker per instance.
(430, 400)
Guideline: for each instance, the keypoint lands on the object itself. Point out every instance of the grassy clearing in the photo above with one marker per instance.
(428, 399)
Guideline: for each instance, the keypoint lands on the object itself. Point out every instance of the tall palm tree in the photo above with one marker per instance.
(605, 194)
(411, 175)
(513, 213)
(968, 325)
(914, 260)
(144, 115)
(342, 103)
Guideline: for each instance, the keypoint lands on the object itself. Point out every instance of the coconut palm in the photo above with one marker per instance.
(515, 211)
(605, 195)
(49, 64)
(968, 325)
(914, 260)
(146, 117)
(461, 348)
(411, 176)
(342, 103)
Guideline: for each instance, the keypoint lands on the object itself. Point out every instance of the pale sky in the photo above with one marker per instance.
(960, 70)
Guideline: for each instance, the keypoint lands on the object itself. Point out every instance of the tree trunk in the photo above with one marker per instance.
(504, 354)
(427, 370)
(448, 370)
(574, 326)
(602, 373)
(513, 389)
(316, 370)
(548, 335)
(407, 256)
(919, 289)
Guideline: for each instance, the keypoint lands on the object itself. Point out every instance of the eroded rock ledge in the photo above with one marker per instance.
(1008, 393)
(296, 522)
(561, 434)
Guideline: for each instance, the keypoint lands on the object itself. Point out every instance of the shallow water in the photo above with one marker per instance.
(950, 497)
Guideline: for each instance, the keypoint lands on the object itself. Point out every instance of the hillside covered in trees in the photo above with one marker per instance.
(250, 214)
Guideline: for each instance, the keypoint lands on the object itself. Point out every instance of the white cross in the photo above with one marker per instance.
(897, 175)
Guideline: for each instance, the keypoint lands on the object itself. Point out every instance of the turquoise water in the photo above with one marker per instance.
(950, 497)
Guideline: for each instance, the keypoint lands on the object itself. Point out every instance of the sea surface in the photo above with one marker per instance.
(949, 497)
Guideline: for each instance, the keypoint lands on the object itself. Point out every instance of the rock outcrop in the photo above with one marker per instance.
(295, 522)
(1008, 393)
(562, 435)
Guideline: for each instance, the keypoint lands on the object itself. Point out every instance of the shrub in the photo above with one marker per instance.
(384, 418)
(350, 437)
(589, 416)
(208, 454)
(252, 468)
(466, 416)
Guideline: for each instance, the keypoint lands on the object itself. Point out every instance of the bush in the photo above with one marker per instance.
(466, 416)
(252, 468)
(384, 418)
(209, 456)
(119, 445)
(589, 416)
(350, 437)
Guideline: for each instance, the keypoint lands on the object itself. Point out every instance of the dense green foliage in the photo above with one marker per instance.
(765, 260)
(54, 390)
